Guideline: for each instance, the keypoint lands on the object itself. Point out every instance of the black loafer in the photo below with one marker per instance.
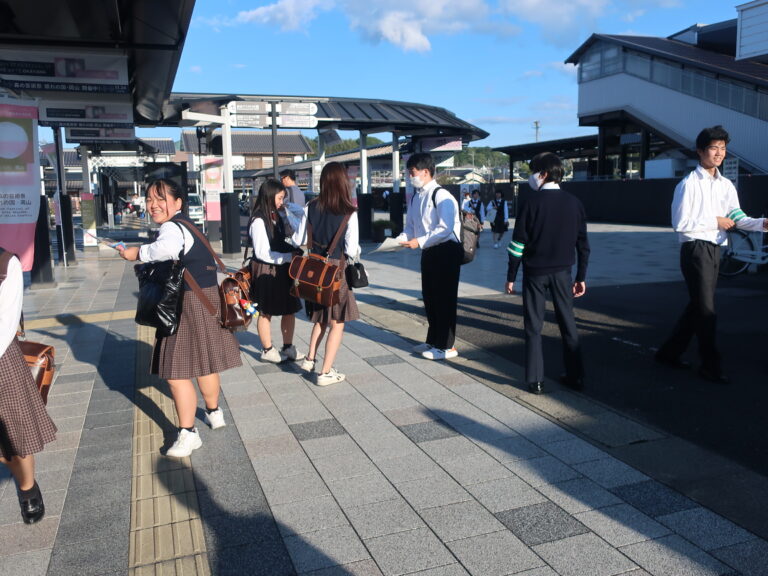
(675, 363)
(536, 387)
(32, 509)
(716, 377)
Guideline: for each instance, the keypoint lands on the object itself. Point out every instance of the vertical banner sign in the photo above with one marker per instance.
(213, 184)
(19, 178)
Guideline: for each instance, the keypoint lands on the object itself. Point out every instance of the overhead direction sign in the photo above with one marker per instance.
(250, 121)
(297, 108)
(294, 121)
(246, 107)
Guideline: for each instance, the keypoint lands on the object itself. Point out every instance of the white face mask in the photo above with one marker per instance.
(535, 180)
(417, 182)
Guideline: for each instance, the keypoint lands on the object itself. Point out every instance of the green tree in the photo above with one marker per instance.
(344, 145)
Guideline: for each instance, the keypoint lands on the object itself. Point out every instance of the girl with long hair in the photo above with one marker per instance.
(325, 215)
(270, 283)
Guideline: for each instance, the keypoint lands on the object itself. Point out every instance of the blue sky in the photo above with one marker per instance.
(495, 63)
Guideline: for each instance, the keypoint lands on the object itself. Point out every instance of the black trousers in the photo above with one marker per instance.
(535, 288)
(700, 263)
(440, 267)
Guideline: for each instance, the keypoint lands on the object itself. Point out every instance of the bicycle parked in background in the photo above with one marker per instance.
(743, 249)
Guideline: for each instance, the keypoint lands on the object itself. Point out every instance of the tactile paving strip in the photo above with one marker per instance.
(166, 531)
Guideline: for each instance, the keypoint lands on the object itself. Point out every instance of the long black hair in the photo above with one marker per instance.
(265, 206)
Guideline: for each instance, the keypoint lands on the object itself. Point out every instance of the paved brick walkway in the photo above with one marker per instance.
(408, 467)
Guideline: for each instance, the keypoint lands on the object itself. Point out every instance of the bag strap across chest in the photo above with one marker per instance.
(336, 237)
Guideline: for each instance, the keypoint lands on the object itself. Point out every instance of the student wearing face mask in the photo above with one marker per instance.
(432, 224)
(550, 236)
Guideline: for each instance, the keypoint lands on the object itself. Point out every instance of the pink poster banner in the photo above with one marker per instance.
(19, 178)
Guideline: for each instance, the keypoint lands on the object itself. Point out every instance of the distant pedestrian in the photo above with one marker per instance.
(200, 348)
(550, 235)
(270, 283)
(500, 222)
(326, 215)
(293, 192)
(25, 427)
(704, 207)
(432, 224)
(476, 207)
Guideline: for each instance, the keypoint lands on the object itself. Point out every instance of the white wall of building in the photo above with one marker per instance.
(678, 115)
(752, 36)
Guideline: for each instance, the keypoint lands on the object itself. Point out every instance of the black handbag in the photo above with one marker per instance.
(356, 275)
(161, 291)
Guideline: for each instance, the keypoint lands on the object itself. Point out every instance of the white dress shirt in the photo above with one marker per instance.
(260, 243)
(699, 199)
(171, 239)
(11, 294)
(432, 225)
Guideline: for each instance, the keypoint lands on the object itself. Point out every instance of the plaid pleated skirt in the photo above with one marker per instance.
(270, 289)
(345, 311)
(25, 427)
(200, 346)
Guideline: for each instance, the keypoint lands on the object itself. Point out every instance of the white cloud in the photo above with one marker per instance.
(634, 15)
(287, 14)
(562, 67)
(501, 120)
(196, 69)
(560, 21)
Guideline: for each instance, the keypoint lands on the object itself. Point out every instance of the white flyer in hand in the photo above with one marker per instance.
(389, 245)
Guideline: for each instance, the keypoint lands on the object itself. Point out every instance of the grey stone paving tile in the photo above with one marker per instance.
(449, 449)
(426, 431)
(340, 466)
(547, 571)
(59, 460)
(272, 446)
(384, 447)
(579, 495)
(86, 495)
(33, 537)
(511, 448)
(382, 518)
(372, 423)
(385, 360)
(610, 473)
(69, 399)
(105, 521)
(107, 419)
(505, 494)
(252, 429)
(317, 429)
(584, 554)
(574, 451)
(673, 556)
(308, 516)
(540, 523)
(25, 564)
(433, 491)
(407, 552)
(705, 528)
(460, 520)
(653, 498)
(79, 410)
(486, 431)
(538, 429)
(325, 548)
(119, 433)
(394, 401)
(293, 488)
(612, 429)
(64, 380)
(544, 470)
(622, 524)
(495, 554)
(362, 568)
(476, 469)
(413, 467)
(304, 413)
(362, 490)
(64, 441)
(409, 415)
(69, 424)
(329, 446)
(449, 570)
(749, 558)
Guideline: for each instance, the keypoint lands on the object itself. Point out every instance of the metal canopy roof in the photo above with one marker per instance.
(150, 33)
(370, 116)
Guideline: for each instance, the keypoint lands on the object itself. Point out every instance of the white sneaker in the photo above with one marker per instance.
(496, 245)
(215, 419)
(185, 443)
(438, 354)
(423, 347)
(291, 353)
(272, 355)
(330, 377)
(307, 365)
